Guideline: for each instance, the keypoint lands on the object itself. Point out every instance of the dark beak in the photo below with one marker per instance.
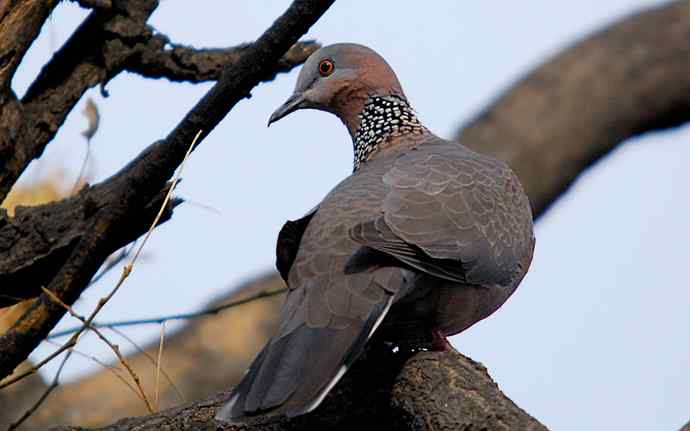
(295, 102)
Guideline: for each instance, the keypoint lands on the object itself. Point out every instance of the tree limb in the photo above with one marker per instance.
(92, 55)
(384, 391)
(143, 178)
(20, 23)
(628, 79)
(36, 242)
(161, 59)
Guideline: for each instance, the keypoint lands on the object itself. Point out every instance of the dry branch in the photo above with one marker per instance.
(160, 58)
(384, 391)
(36, 242)
(20, 23)
(631, 78)
(91, 56)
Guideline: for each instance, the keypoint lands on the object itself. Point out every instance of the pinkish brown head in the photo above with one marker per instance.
(339, 79)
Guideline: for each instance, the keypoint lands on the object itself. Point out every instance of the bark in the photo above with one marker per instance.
(92, 55)
(384, 391)
(20, 23)
(36, 242)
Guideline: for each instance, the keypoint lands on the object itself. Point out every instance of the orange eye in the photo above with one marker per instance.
(326, 67)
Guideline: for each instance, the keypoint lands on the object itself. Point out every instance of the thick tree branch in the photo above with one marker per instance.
(632, 78)
(384, 391)
(161, 59)
(92, 55)
(20, 23)
(143, 178)
(36, 242)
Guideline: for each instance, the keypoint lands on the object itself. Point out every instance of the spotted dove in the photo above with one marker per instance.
(426, 236)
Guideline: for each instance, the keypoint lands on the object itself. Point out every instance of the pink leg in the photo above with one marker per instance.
(440, 342)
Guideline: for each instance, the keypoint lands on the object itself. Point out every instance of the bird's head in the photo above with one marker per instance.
(339, 79)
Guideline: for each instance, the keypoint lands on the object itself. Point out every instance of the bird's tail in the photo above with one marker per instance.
(294, 372)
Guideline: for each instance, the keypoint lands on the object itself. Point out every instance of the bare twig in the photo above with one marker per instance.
(158, 366)
(182, 316)
(165, 203)
(54, 384)
(116, 371)
(112, 263)
(152, 360)
(114, 347)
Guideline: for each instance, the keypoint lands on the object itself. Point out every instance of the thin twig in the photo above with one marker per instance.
(54, 384)
(158, 367)
(84, 163)
(126, 270)
(152, 360)
(112, 263)
(116, 371)
(114, 347)
(182, 316)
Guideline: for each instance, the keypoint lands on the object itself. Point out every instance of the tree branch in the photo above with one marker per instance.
(92, 55)
(36, 242)
(566, 115)
(161, 59)
(427, 391)
(20, 23)
(144, 177)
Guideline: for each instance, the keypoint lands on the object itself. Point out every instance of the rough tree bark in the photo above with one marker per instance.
(427, 391)
(561, 118)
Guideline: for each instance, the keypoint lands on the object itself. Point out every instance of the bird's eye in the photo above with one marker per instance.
(326, 67)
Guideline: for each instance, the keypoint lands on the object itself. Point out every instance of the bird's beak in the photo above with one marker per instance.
(295, 102)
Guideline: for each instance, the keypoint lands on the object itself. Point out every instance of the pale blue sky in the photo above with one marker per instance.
(597, 336)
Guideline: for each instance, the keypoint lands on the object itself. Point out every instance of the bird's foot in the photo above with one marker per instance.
(439, 342)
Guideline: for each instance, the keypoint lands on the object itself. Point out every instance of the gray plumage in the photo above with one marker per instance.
(424, 234)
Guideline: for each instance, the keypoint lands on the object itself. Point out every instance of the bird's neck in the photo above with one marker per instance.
(383, 118)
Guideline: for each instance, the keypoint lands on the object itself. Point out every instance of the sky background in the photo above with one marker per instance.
(597, 336)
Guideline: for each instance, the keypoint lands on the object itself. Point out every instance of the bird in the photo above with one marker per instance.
(425, 238)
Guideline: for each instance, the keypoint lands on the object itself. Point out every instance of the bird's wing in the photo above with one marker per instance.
(327, 318)
(453, 214)
(288, 242)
